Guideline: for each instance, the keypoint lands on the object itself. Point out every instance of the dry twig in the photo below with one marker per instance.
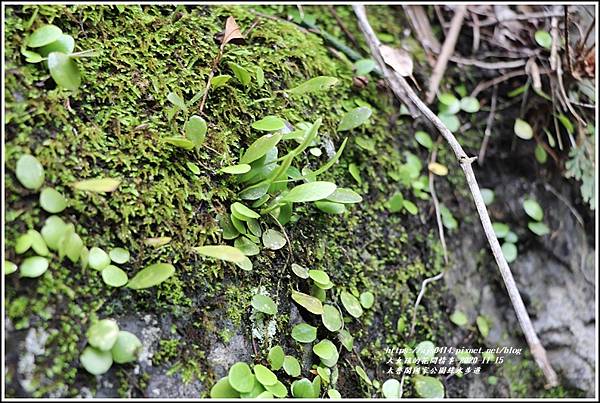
(488, 127)
(536, 348)
(446, 52)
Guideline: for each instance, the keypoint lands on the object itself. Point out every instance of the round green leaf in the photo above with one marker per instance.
(544, 39)
(540, 154)
(459, 318)
(500, 229)
(241, 377)
(367, 299)
(34, 266)
(269, 124)
(351, 304)
(260, 147)
(364, 66)
(242, 212)
(9, 267)
(523, 129)
(52, 231)
(98, 259)
(52, 201)
(424, 139)
(95, 361)
(223, 390)
(273, 240)
(64, 70)
(223, 252)
(195, 130)
(44, 35)
(533, 209)
(151, 276)
(302, 388)
(300, 271)
(264, 304)
(291, 365)
(119, 255)
(538, 228)
(277, 390)
(37, 243)
(319, 276)
(304, 333)
(64, 44)
(276, 357)
(450, 121)
(103, 334)
(391, 389)
(354, 118)
(487, 195)
(113, 276)
(425, 351)
(511, 237)
(483, 325)
(451, 103)
(469, 104)
(311, 191)
(334, 394)
(325, 349)
(344, 195)
(245, 264)
(308, 302)
(30, 172)
(428, 387)
(247, 247)
(509, 250)
(264, 375)
(126, 348)
(331, 318)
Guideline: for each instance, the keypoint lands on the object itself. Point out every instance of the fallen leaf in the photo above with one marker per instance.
(398, 59)
(232, 32)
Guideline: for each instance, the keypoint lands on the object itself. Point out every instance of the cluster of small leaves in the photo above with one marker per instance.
(582, 167)
(535, 212)
(58, 236)
(108, 344)
(50, 45)
(449, 106)
(265, 202)
(409, 176)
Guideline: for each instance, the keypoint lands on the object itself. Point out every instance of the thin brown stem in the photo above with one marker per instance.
(465, 162)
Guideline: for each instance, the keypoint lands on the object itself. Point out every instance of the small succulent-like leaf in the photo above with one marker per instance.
(308, 302)
(222, 252)
(354, 118)
(265, 304)
(195, 130)
(98, 185)
(30, 172)
(44, 35)
(52, 201)
(321, 83)
(151, 276)
(351, 304)
(523, 129)
(64, 70)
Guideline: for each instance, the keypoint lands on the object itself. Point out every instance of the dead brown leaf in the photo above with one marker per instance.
(397, 59)
(232, 32)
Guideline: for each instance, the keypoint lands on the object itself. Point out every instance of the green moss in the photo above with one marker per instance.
(112, 127)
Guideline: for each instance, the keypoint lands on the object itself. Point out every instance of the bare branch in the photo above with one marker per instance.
(446, 52)
(537, 350)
